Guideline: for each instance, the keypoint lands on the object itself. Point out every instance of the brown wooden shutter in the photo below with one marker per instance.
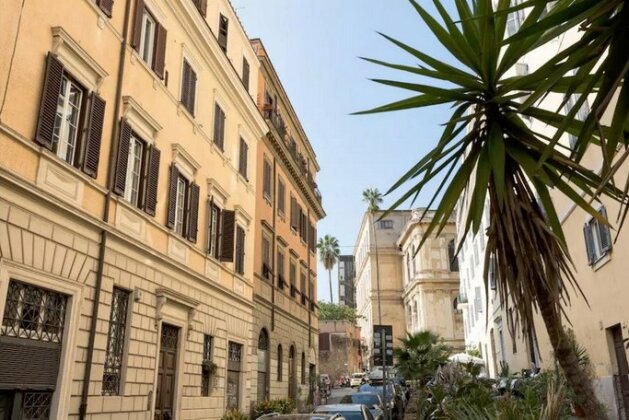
(201, 7)
(193, 213)
(137, 24)
(192, 89)
(227, 237)
(160, 51)
(185, 83)
(123, 158)
(106, 6)
(94, 135)
(172, 196)
(294, 215)
(245, 73)
(152, 177)
(50, 96)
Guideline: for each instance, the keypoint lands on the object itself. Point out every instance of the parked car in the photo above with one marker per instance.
(371, 399)
(347, 411)
(393, 400)
(358, 379)
(310, 416)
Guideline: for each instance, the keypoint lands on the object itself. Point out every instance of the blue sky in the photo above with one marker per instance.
(314, 46)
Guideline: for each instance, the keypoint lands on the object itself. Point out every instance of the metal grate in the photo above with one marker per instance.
(263, 340)
(206, 375)
(169, 337)
(36, 405)
(115, 342)
(235, 352)
(33, 313)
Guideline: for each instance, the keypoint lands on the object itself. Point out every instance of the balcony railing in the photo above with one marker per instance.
(277, 121)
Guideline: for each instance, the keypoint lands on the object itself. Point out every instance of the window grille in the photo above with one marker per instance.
(36, 405)
(115, 342)
(206, 374)
(33, 313)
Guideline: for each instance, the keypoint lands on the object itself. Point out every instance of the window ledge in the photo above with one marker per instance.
(602, 260)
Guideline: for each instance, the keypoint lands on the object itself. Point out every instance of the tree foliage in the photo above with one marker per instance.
(420, 356)
(337, 312)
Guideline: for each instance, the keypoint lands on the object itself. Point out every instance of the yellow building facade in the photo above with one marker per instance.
(130, 135)
(288, 206)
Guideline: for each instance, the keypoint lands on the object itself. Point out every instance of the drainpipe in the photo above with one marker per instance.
(104, 233)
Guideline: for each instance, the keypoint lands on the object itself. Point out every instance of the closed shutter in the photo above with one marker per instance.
(589, 243)
(106, 6)
(192, 90)
(172, 196)
(227, 236)
(160, 51)
(94, 135)
(294, 215)
(201, 7)
(242, 162)
(152, 177)
(123, 158)
(185, 83)
(604, 233)
(137, 24)
(50, 97)
(245, 73)
(193, 213)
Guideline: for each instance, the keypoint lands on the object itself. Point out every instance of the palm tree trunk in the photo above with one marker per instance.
(567, 358)
(330, 279)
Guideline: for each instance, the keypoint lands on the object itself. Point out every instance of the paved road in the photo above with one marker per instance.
(338, 393)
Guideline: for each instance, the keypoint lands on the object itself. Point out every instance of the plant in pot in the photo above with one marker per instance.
(208, 366)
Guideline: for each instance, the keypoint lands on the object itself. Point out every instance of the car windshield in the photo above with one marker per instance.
(367, 400)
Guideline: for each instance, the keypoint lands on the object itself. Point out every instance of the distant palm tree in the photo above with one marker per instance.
(373, 198)
(329, 253)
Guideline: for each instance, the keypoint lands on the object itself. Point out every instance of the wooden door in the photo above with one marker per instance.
(166, 373)
(623, 371)
(6, 401)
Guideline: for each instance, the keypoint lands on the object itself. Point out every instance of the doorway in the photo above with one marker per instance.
(621, 378)
(167, 372)
(6, 402)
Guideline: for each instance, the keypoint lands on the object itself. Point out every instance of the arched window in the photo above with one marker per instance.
(280, 361)
(303, 368)
(292, 377)
(263, 365)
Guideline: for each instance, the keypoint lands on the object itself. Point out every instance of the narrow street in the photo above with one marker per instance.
(338, 393)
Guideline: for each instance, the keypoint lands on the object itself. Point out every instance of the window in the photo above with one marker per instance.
(292, 273)
(280, 362)
(201, 6)
(214, 229)
(266, 257)
(223, 25)
(149, 39)
(302, 287)
(240, 250)
(263, 366)
(581, 114)
(303, 368)
(219, 127)
(33, 313)
(234, 367)
(62, 120)
(245, 73)
(137, 170)
(453, 260)
(385, 224)
(281, 279)
(242, 160)
(206, 365)
(115, 341)
(515, 19)
(597, 238)
(266, 179)
(281, 197)
(183, 205)
(188, 87)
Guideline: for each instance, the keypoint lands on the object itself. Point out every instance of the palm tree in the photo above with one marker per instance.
(488, 151)
(329, 254)
(421, 355)
(373, 198)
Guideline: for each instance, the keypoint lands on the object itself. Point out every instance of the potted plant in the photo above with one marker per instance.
(208, 366)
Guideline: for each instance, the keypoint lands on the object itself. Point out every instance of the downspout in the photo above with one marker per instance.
(104, 232)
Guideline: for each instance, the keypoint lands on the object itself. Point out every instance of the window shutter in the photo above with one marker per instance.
(50, 97)
(172, 196)
(160, 51)
(201, 7)
(589, 243)
(242, 163)
(150, 203)
(94, 135)
(193, 213)
(123, 158)
(293, 213)
(137, 24)
(227, 238)
(245, 73)
(106, 6)
(185, 83)
(192, 89)
(604, 233)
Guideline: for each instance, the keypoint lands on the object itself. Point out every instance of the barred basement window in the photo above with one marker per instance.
(234, 367)
(206, 373)
(33, 313)
(115, 342)
(36, 405)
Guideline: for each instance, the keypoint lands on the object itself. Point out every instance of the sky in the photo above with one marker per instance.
(315, 47)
